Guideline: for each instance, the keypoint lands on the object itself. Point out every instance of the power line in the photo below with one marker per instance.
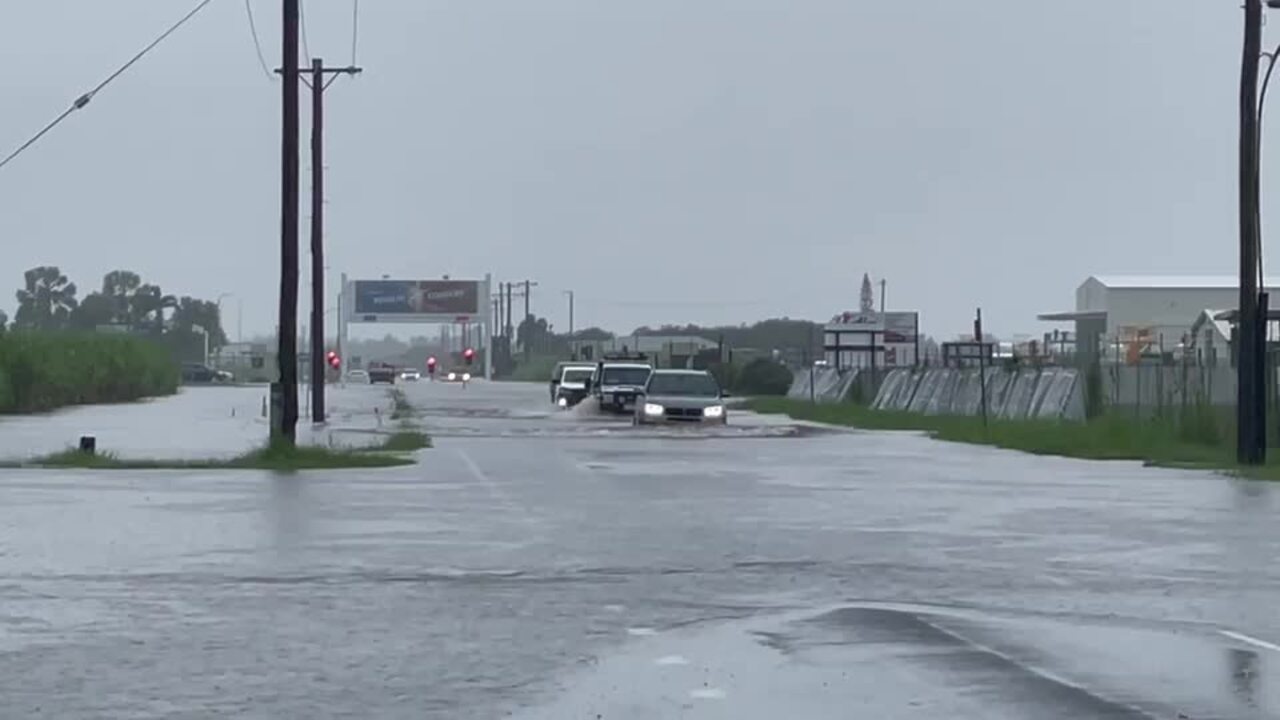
(84, 99)
(355, 29)
(257, 42)
(302, 23)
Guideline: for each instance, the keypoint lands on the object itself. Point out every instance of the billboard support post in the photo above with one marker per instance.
(487, 334)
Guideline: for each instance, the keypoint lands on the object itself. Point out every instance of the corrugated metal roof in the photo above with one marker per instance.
(1170, 282)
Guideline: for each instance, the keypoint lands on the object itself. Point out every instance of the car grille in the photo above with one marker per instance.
(685, 414)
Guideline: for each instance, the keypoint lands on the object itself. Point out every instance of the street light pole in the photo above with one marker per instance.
(570, 294)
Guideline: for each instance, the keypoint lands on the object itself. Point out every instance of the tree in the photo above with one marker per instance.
(593, 334)
(46, 302)
(119, 286)
(763, 377)
(147, 306)
(93, 311)
(191, 312)
(867, 302)
(4, 321)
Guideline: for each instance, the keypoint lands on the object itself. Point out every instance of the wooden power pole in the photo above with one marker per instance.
(1250, 401)
(287, 348)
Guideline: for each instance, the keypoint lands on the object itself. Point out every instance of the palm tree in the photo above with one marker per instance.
(147, 306)
(47, 300)
(119, 286)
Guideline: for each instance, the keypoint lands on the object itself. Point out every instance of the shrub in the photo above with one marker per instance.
(763, 377)
(46, 370)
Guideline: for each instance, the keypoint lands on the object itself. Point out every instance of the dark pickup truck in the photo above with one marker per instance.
(382, 373)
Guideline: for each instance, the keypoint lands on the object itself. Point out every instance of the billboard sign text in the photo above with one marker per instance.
(417, 300)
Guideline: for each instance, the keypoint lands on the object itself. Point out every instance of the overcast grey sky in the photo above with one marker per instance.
(671, 161)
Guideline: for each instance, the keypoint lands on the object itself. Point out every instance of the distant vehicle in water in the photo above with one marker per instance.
(357, 376)
(681, 396)
(458, 376)
(201, 373)
(617, 383)
(557, 374)
(410, 374)
(574, 385)
(382, 373)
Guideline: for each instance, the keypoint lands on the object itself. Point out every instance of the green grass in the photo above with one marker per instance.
(401, 441)
(45, 370)
(275, 457)
(1197, 438)
(402, 410)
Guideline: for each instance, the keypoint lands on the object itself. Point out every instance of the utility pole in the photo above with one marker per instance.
(508, 323)
(570, 294)
(1250, 407)
(882, 287)
(318, 85)
(287, 351)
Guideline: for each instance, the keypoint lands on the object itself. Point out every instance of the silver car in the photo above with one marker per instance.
(681, 396)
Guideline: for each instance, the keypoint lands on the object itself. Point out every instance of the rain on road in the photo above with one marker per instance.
(546, 564)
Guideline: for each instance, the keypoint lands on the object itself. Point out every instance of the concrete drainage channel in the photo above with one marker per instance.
(1051, 393)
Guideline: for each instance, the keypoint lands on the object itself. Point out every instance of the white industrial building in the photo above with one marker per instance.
(1159, 307)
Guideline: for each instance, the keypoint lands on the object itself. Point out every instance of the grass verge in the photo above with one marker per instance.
(279, 458)
(401, 409)
(1195, 440)
(401, 441)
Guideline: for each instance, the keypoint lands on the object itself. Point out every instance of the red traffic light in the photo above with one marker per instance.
(468, 355)
(431, 364)
(334, 360)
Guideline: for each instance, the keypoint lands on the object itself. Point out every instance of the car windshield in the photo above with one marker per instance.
(575, 375)
(625, 376)
(684, 384)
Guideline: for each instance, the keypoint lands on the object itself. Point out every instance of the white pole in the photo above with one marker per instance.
(484, 327)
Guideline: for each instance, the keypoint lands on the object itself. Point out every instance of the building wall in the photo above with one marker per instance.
(1168, 311)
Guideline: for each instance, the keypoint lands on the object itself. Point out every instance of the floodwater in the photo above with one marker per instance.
(544, 564)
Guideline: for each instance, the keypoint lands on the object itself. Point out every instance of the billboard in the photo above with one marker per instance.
(418, 300)
(852, 338)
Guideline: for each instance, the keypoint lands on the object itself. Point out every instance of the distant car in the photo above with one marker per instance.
(201, 373)
(357, 376)
(410, 374)
(558, 372)
(382, 373)
(574, 385)
(462, 376)
(616, 384)
(681, 396)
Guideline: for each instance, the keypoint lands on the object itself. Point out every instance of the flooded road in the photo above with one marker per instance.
(548, 564)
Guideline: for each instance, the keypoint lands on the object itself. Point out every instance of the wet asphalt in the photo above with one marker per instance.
(546, 564)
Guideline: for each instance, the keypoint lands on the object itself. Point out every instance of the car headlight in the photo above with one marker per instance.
(466, 376)
(652, 409)
(713, 411)
(453, 376)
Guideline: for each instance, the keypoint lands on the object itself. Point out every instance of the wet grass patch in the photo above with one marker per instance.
(1197, 438)
(277, 457)
(401, 408)
(401, 441)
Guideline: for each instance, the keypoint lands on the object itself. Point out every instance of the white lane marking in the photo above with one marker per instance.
(614, 608)
(1033, 669)
(503, 497)
(1241, 637)
(641, 631)
(707, 694)
(671, 660)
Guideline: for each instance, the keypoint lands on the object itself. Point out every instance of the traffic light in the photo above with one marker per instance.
(431, 365)
(334, 361)
(468, 355)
